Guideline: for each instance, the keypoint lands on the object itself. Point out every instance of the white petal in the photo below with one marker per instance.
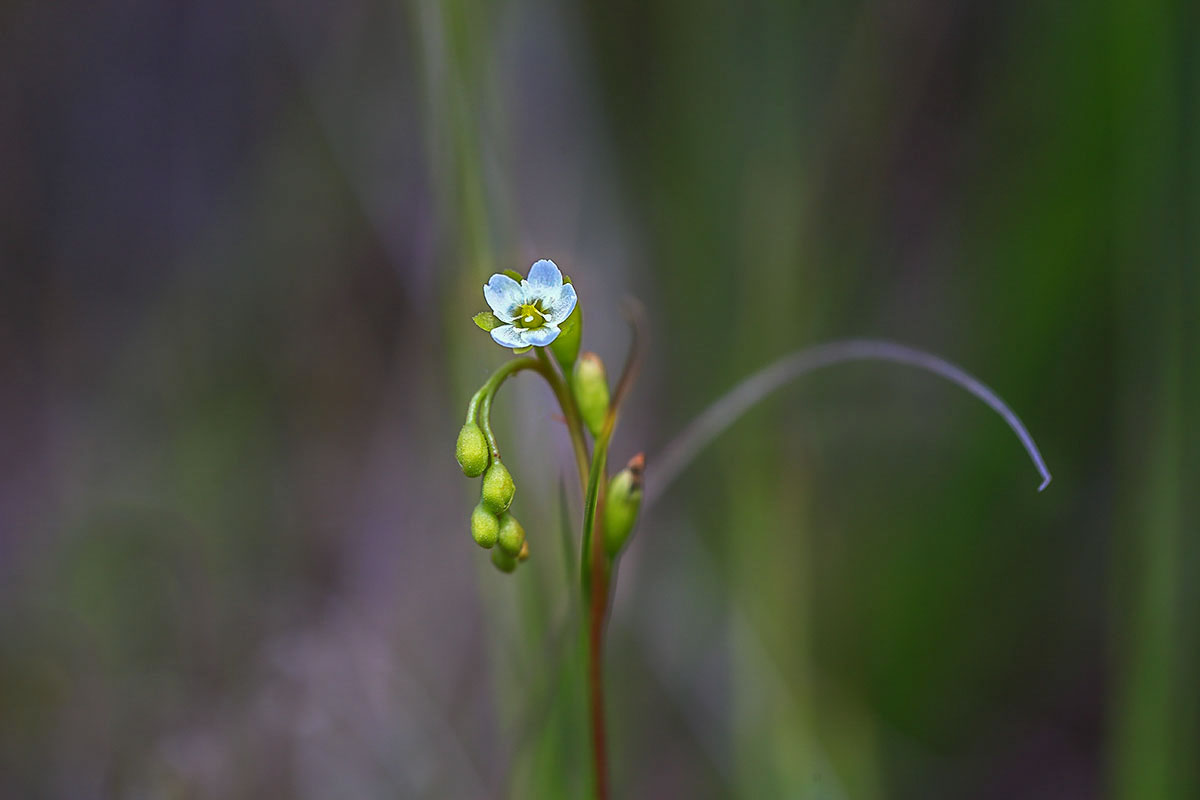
(509, 336)
(540, 337)
(558, 305)
(504, 295)
(544, 275)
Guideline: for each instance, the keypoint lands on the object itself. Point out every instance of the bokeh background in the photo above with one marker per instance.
(242, 243)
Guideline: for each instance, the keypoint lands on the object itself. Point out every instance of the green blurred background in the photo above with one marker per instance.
(242, 243)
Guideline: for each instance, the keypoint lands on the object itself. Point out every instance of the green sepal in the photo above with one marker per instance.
(512, 273)
(565, 346)
(487, 320)
(521, 350)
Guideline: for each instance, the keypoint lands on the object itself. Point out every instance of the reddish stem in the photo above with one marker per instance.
(598, 610)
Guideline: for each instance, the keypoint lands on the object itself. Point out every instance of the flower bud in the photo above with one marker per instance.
(498, 488)
(589, 384)
(485, 528)
(503, 561)
(512, 535)
(565, 346)
(621, 504)
(471, 450)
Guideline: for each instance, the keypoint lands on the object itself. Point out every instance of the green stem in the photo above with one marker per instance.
(594, 566)
(481, 403)
(594, 562)
(570, 411)
(480, 406)
(591, 500)
(485, 419)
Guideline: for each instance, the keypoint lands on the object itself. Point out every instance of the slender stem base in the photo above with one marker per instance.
(597, 567)
(598, 608)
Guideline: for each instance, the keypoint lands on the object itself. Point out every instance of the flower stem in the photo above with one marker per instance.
(480, 406)
(596, 685)
(481, 403)
(594, 577)
(566, 401)
(595, 565)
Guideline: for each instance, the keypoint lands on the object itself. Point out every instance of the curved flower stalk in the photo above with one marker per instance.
(540, 312)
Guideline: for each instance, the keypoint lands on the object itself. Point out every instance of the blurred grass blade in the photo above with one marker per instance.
(729, 408)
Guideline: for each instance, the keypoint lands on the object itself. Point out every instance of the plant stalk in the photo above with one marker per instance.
(481, 406)
(596, 567)
(594, 578)
(566, 401)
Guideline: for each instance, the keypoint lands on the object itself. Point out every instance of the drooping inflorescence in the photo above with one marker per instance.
(477, 454)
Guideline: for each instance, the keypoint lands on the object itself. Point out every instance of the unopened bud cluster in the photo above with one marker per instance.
(492, 526)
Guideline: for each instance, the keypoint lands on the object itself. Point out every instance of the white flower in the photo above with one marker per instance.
(533, 309)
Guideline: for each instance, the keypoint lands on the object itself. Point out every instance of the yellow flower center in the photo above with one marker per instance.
(530, 316)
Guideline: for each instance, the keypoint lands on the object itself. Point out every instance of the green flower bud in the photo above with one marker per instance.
(471, 450)
(485, 528)
(503, 561)
(621, 504)
(512, 535)
(589, 384)
(565, 346)
(498, 488)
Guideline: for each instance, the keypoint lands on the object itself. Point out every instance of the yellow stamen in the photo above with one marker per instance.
(531, 316)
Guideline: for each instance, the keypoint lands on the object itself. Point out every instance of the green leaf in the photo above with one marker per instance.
(487, 320)
(566, 346)
(729, 408)
(512, 273)
(519, 350)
